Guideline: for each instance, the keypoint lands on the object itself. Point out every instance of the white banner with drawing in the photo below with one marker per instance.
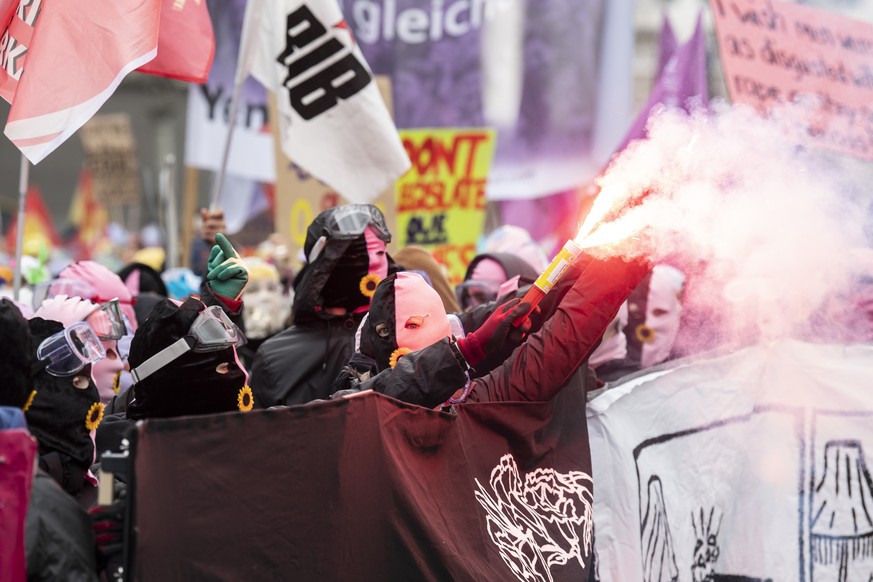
(746, 467)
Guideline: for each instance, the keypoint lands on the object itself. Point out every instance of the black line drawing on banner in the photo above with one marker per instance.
(706, 547)
(659, 557)
(679, 549)
(841, 521)
(538, 522)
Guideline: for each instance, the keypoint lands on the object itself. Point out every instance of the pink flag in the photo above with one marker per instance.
(7, 9)
(76, 55)
(186, 45)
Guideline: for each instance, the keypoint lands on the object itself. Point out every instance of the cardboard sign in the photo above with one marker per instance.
(774, 52)
(441, 200)
(300, 197)
(110, 155)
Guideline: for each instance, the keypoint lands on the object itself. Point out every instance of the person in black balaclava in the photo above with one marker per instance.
(61, 412)
(345, 261)
(59, 543)
(197, 382)
(16, 346)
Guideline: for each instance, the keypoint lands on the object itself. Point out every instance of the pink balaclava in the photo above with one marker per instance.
(106, 372)
(378, 265)
(106, 284)
(420, 318)
(517, 241)
(488, 270)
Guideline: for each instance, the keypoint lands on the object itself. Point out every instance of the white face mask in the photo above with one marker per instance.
(267, 309)
(658, 331)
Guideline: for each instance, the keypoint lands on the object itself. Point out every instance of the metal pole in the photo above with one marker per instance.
(168, 191)
(246, 55)
(23, 178)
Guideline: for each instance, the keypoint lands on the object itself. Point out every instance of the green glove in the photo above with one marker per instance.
(226, 273)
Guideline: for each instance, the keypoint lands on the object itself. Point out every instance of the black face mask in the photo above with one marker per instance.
(343, 286)
(62, 414)
(190, 385)
(382, 314)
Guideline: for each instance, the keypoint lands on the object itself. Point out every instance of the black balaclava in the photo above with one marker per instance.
(382, 310)
(333, 278)
(16, 347)
(343, 286)
(62, 416)
(190, 384)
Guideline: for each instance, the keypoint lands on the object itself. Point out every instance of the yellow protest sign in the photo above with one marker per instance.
(441, 201)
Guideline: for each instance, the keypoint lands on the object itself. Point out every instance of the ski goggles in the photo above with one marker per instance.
(70, 350)
(472, 293)
(107, 321)
(211, 331)
(351, 220)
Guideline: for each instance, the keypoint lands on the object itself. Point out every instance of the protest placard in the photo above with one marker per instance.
(110, 156)
(441, 200)
(775, 52)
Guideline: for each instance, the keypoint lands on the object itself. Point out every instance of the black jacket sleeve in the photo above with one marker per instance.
(427, 377)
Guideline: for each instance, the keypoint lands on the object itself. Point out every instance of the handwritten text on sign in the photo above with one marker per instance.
(774, 52)
(441, 200)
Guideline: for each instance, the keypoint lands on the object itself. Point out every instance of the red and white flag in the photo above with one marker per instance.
(75, 55)
(186, 45)
(332, 119)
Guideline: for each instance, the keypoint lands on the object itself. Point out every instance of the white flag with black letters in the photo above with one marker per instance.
(332, 119)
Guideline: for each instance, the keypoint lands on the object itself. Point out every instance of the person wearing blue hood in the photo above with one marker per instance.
(59, 541)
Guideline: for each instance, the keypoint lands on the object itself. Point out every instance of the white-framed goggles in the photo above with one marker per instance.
(68, 351)
(107, 321)
(211, 331)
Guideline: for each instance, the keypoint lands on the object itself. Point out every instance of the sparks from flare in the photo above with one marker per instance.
(612, 219)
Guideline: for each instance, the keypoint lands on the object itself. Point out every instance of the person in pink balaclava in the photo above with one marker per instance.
(346, 258)
(100, 285)
(108, 321)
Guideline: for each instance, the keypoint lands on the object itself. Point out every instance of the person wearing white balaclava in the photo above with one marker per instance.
(654, 310)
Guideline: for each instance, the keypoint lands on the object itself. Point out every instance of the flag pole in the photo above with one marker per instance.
(219, 178)
(244, 60)
(171, 214)
(23, 179)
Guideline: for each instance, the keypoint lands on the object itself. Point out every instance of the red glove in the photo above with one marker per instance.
(497, 333)
(107, 522)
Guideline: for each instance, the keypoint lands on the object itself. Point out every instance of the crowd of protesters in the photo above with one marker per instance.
(95, 351)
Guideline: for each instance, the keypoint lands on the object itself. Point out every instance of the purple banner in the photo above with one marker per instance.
(528, 69)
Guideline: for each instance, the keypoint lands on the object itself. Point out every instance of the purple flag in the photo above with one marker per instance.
(667, 45)
(682, 80)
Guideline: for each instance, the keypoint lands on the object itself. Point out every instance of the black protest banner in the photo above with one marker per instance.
(367, 488)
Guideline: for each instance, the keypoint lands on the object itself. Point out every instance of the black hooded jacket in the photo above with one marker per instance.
(299, 364)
